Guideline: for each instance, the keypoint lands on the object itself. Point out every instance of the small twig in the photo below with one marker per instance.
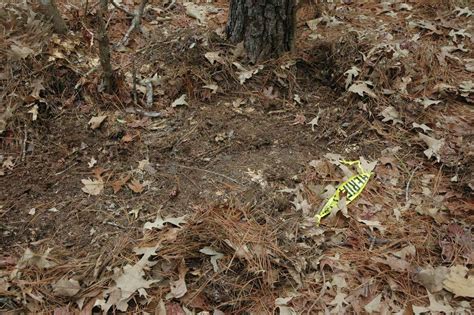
(115, 224)
(109, 20)
(321, 293)
(149, 93)
(121, 9)
(172, 3)
(134, 74)
(81, 82)
(67, 169)
(437, 181)
(135, 24)
(86, 7)
(23, 152)
(408, 183)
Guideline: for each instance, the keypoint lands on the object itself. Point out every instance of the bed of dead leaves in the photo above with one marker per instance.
(202, 201)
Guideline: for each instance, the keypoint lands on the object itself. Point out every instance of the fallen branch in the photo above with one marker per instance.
(135, 24)
(149, 93)
(23, 151)
(121, 9)
(169, 6)
(134, 74)
(407, 188)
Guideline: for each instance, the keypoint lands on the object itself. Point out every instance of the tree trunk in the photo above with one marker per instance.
(104, 50)
(50, 9)
(267, 27)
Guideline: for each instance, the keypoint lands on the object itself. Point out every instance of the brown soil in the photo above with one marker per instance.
(202, 156)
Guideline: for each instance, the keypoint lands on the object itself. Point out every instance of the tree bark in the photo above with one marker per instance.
(104, 50)
(267, 27)
(50, 9)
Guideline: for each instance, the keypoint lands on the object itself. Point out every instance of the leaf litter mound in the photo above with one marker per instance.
(217, 215)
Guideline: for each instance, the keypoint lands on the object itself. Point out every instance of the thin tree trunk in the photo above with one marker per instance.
(50, 9)
(267, 27)
(104, 50)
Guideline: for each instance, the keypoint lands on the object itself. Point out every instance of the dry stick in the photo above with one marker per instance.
(23, 152)
(149, 93)
(135, 24)
(66, 169)
(321, 293)
(134, 74)
(172, 3)
(121, 9)
(408, 183)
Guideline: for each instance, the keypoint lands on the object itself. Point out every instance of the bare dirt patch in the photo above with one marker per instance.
(245, 163)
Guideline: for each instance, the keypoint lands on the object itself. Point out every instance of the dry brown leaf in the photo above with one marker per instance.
(135, 186)
(66, 287)
(96, 121)
(422, 126)
(426, 102)
(34, 112)
(98, 171)
(92, 187)
(119, 183)
(128, 281)
(361, 88)
(145, 165)
(180, 101)
(432, 279)
(390, 113)
(459, 282)
(434, 146)
(128, 137)
(214, 57)
(434, 307)
(4, 117)
(21, 52)
(245, 74)
(92, 162)
(352, 73)
(373, 224)
(29, 258)
(394, 263)
(374, 305)
(37, 86)
(282, 305)
(339, 301)
(178, 288)
(196, 11)
(215, 255)
(409, 250)
(159, 223)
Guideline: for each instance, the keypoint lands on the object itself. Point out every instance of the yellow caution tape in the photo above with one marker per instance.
(352, 188)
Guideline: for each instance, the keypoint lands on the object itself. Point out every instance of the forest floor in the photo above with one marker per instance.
(204, 201)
